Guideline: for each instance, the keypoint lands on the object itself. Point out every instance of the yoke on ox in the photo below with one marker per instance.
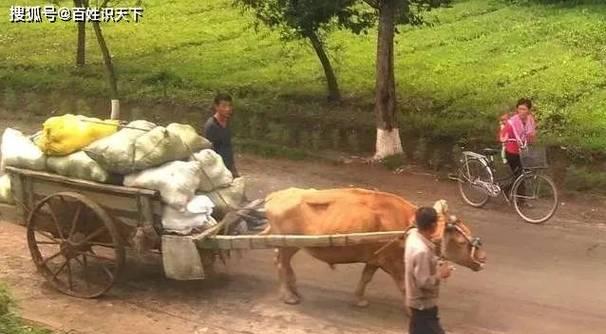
(297, 211)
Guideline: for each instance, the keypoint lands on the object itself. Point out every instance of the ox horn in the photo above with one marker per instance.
(441, 207)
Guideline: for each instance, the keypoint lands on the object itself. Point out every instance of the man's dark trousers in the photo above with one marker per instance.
(425, 322)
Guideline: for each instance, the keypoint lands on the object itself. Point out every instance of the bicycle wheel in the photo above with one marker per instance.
(535, 198)
(472, 171)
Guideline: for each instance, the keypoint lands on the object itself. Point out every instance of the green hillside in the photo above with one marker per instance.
(453, 78)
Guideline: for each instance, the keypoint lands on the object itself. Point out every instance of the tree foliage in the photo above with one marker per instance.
(410, 11)
(311, 19)
(298, 18)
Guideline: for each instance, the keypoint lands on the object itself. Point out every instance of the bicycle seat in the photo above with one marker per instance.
(491, 151)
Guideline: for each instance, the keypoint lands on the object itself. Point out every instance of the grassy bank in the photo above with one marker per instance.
(453, 78)
(10, 323)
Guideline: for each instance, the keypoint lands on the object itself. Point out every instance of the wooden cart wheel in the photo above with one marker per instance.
(75, 244)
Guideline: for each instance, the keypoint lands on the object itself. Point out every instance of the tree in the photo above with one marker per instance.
(81, 48)
(109, 67)
(391, 13)
(81, 35)
(107, 58)
(311, 20)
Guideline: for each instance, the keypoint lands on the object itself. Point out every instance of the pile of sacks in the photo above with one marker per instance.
(192, 179)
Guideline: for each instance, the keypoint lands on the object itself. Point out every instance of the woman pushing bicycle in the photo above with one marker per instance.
(517, 132)
(532, 193)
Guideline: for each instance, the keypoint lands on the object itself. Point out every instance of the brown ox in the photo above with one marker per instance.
(342, 211)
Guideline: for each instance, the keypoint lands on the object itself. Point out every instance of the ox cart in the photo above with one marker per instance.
(78, 233)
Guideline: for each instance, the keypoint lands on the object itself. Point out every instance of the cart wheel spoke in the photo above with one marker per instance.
(108, 272)
(101, 244)
(48, 236)
(48, 242)
(50, 258)
(93, 235)
(69, 275)
(55, 220)
(98, 257)
(78, 260)
(55, 274)
(85, 265)
(75, 221)
(74, 240)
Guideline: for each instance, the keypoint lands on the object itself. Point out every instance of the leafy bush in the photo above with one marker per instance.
(9, 322)
(584, 179)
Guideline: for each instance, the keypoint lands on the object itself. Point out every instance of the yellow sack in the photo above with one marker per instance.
(63, 135)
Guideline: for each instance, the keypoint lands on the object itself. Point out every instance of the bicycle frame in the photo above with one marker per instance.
(480, 172)
(492, 188)
(488, 162)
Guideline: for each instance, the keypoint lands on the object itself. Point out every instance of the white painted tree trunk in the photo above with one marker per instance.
(388, 136)
(115, 113)
(388, 143)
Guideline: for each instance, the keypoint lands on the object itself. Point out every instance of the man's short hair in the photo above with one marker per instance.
(524, 101)
(221, 97)
(426, 218)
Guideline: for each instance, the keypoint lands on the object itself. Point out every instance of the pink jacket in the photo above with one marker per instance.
(517, 134)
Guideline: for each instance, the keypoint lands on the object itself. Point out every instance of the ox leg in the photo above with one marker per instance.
(367, 274)
(397, 272)
(288, 288)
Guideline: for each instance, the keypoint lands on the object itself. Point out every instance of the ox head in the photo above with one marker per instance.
(455, 241)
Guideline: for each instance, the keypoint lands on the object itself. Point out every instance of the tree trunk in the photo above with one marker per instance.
(334, 94)
(81, 49)
(388, 136)
(107, 59)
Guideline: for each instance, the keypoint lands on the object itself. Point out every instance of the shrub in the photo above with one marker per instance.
(9, 321)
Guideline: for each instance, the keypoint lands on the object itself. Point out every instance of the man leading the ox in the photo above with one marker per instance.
(217, 131)
(423, 274)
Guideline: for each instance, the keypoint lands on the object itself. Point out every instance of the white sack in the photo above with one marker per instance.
(230, 198)
(116, 153)
(78, 165)
(189, 136)
(6, 195)
(176, 181)
(197, 215)
(19, 151)
(214, 174)
(130, 150)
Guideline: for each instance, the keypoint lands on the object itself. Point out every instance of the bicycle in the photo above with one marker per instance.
(531, 191)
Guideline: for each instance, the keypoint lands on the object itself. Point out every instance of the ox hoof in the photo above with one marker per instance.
(291, 300)
(362, 303)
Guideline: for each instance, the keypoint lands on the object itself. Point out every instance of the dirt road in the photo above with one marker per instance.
(539, 279)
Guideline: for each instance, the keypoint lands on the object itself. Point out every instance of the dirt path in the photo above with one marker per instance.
(540, 279)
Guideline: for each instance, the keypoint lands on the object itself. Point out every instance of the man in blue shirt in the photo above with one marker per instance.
(217, 131)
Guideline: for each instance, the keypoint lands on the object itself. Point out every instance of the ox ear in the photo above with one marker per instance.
(441, 207)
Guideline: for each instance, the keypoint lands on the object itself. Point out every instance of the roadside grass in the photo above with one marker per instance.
(10, 323)
(454, 76)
